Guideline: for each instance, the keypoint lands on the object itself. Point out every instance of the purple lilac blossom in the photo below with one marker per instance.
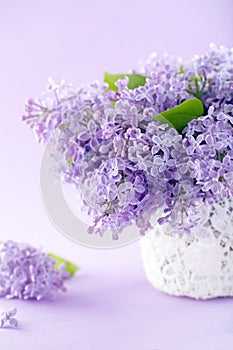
(209, 144)
(27, 273)
(210, 77)
(122, 191)
(7, 317)
(125, 164)
(164, 88)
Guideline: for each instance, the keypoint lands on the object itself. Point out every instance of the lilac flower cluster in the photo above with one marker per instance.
(27, 273)
(209, 144)
(122, 192)
(210, 77)
(124, 163)
(165, 88)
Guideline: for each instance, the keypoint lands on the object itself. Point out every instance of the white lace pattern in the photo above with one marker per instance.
(197, 265)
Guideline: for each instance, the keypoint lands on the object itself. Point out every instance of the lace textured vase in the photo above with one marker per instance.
(197, 265)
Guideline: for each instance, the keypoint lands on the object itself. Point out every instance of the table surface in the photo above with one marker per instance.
(110, 309)
(109, 304)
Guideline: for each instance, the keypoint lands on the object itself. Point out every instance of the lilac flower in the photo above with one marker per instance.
(164, 162)
(8, 317)
(133, 133)
(146, 94)
(26, 273)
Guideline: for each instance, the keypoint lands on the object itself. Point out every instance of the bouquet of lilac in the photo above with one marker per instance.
(160, 137)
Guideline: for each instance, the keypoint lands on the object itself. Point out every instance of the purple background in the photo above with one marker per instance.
(109, 305)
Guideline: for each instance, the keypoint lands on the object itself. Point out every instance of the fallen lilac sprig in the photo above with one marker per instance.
(27, 273)
(7, 317)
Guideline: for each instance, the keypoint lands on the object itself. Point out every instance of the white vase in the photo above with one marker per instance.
(198, 264)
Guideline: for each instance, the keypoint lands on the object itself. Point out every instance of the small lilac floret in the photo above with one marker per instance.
(7, 318)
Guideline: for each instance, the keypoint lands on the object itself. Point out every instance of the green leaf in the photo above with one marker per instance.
(71, 268)
(160, 118)
(179, 116)
(135, 80)
(181, 70)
